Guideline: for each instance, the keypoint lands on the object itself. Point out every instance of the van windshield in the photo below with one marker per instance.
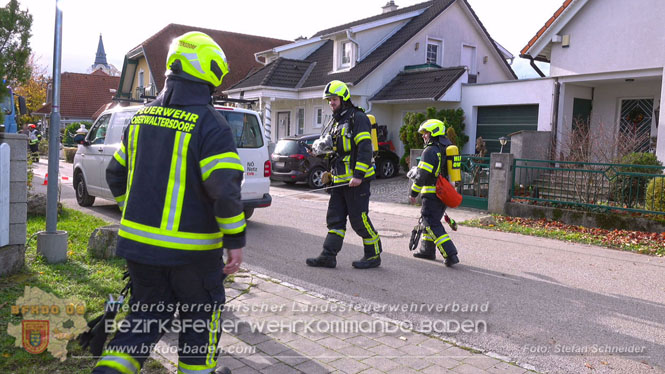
(245, 128)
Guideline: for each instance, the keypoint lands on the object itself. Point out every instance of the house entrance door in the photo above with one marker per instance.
(283, 124)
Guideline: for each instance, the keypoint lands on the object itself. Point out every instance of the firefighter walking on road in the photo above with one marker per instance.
(351, 164)
(437, 159)
(177, 180)
(34, 137)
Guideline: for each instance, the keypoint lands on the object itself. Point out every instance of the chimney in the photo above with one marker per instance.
(389, 7)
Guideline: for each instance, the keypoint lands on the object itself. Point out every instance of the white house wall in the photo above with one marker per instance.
(612, 35)
(523, 92)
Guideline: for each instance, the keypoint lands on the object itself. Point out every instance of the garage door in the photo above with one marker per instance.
(497, 121)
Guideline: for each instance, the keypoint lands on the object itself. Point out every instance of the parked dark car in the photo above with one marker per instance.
(292, 163)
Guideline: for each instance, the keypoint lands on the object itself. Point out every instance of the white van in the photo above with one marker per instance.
(104, 137)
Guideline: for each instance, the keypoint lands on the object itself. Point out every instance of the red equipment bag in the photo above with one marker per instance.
(447, 193)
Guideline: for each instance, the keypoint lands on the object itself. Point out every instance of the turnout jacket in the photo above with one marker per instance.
(177, 178)
(431, 165)
(352, 147)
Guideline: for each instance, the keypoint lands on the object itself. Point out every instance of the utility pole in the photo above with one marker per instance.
(53, 243)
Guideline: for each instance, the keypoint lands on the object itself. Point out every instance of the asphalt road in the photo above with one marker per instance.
(557, 306)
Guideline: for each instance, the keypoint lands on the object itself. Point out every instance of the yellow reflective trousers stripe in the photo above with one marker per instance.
(374, 236)
(119, 361)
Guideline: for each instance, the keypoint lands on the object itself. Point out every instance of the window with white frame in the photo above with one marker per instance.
(141, 78)
(300, 121)
(318, 117)
(346, 54)
(434, 51)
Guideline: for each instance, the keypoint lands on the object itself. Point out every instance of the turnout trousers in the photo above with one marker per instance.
(195, 291)
(435, 235)
(351, 202)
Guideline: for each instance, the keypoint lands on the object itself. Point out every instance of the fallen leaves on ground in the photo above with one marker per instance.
(643, 242)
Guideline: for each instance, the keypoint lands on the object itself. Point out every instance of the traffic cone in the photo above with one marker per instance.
(45, 180)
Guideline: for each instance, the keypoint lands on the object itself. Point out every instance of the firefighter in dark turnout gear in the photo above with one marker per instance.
(351, 164)
(433, 163)
(34, 137)
(177, 180)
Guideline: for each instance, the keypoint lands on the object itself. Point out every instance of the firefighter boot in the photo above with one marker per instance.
(450, 253)
(327, 259)
(427, 250)
(372, 256)
(323, 261)
(451, 260)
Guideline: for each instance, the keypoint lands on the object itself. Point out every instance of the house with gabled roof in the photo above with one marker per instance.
(607, 59)
(402, 60)
(81, 95)
(144, 65)
(606, 65)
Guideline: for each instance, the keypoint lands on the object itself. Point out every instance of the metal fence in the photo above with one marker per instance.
(475, 181)
(594, 186)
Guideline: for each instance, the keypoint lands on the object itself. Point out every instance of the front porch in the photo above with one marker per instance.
(602, 117)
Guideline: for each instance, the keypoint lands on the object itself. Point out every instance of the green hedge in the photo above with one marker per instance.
(408, 133)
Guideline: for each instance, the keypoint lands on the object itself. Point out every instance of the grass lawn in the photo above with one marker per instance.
(82, 277)
(633, 241)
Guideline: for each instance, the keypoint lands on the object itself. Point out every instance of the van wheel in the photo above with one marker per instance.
(82, 197)
(314, 178)
(248, 213)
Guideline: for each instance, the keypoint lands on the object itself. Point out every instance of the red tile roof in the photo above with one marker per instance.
(547, 25)
(82, 94)
(239, 50)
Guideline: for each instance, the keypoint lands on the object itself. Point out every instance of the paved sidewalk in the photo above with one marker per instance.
(303, 332)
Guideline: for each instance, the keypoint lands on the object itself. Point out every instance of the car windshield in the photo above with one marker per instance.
(287, 147)
(245, 128)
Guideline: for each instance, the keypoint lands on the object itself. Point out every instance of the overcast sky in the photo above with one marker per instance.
(126, 23)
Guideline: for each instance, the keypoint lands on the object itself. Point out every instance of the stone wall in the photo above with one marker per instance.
(12, 256)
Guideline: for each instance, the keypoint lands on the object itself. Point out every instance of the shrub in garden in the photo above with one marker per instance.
(628, 188)
(655, 197)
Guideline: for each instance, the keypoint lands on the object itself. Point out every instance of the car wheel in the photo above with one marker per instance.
(248, 213)
(314, 178)
(387, 168)
(82, 197)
